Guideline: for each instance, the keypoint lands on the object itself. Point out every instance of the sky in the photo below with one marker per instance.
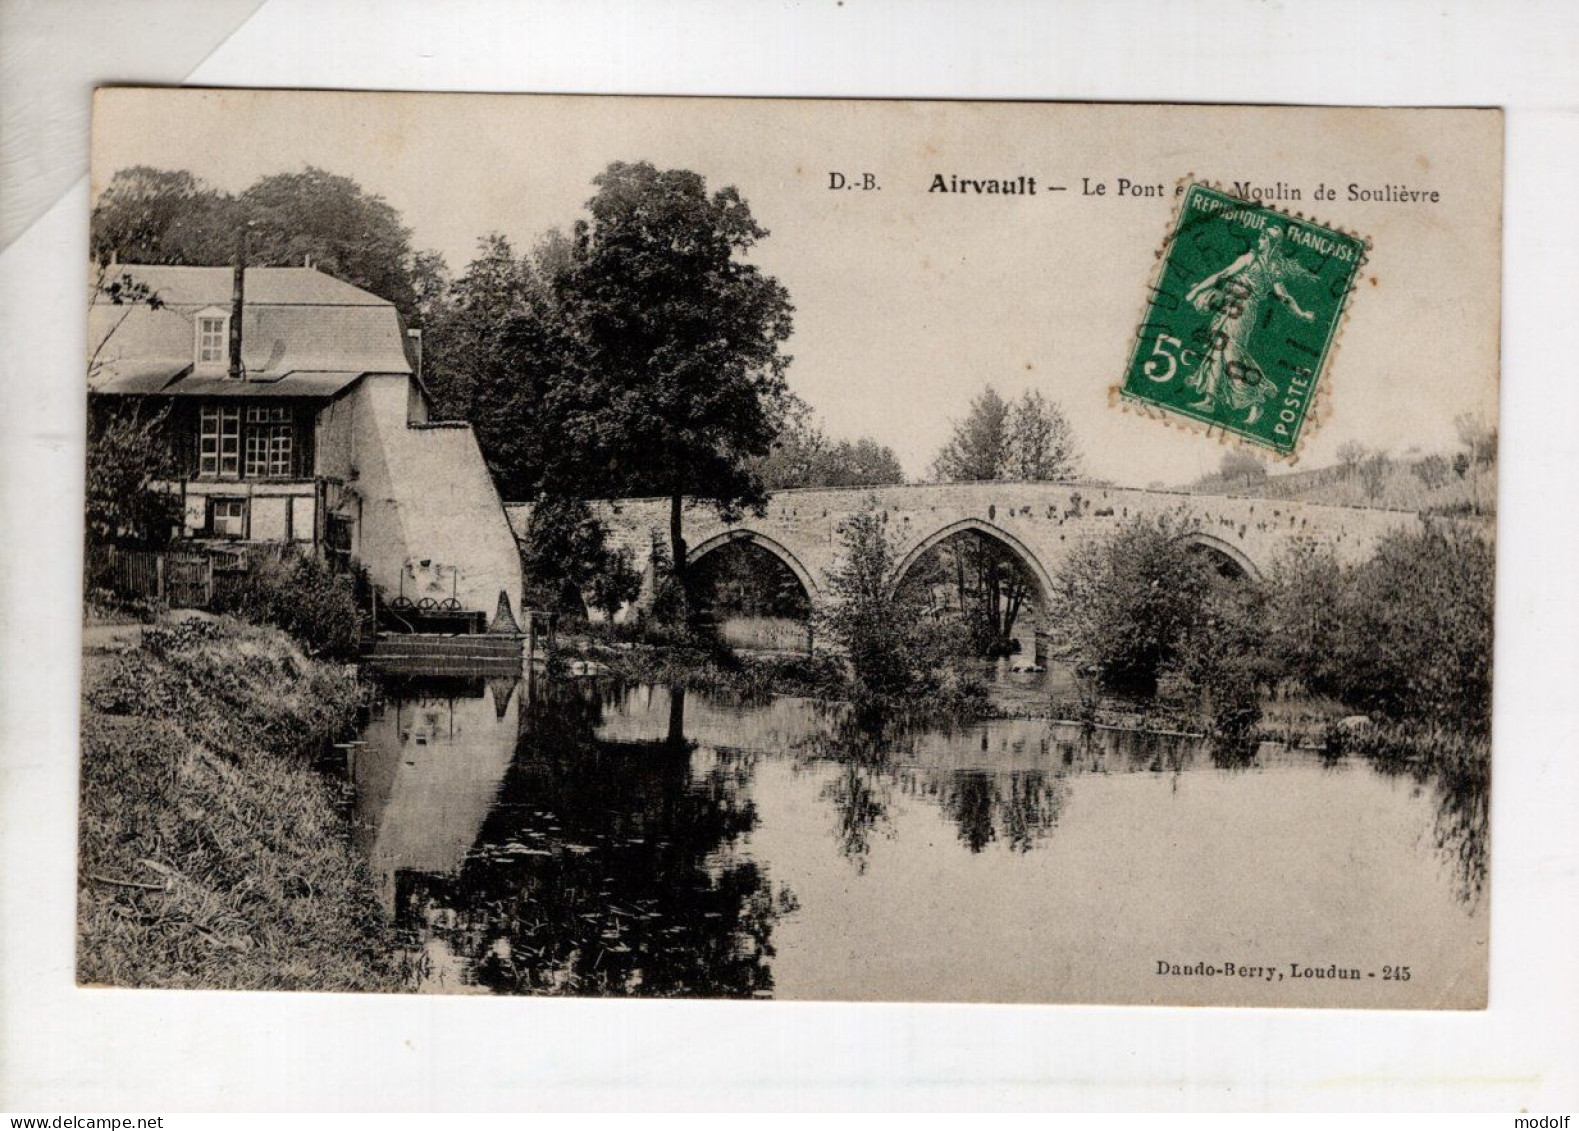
(910, 302)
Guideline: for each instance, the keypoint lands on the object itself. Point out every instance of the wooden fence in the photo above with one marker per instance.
(183, 579)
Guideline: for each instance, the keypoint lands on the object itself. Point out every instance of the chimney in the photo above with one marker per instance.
(238, 289)
(416, 349)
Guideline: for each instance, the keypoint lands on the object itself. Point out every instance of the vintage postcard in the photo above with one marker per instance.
(854, 550)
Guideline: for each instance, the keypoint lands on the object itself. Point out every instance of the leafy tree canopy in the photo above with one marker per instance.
(639, 355)
(129, 459)
(678, 375)
(805, 456)
(892, 646)
(1029, 439)
(149, 215)
(567, 560)
(1241, 465)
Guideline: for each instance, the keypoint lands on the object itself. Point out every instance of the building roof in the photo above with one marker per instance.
(304, 333)
(266, 286)
(300, 383)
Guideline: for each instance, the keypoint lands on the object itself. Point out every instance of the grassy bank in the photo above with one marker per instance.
(700, 666)
(711, 666)
(1302, 722)
(1445, 748)
(212, 854)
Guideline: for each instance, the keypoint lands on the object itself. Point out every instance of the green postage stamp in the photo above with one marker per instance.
(1242, 318)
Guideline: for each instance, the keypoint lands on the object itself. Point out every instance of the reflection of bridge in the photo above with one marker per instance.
(1040, 523)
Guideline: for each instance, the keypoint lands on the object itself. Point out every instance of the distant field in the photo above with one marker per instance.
(1400, 487)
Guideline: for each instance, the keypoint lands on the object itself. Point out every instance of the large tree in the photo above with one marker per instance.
(496, 346)
(149, 215)
(675, 381)
(430, 283)
(1041, 443)
(979, 445)
(351, 234)
(466, 332)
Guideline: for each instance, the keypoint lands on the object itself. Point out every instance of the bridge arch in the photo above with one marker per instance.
(1044, 581)
(1224, 553)
(696, 553)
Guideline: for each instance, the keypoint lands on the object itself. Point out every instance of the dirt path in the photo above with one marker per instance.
(109, 637)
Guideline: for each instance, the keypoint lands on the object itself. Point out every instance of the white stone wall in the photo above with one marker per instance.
(332, 438)
(428, 520)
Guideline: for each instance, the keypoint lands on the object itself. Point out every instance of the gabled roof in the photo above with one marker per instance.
(265, 286)
(303, 332)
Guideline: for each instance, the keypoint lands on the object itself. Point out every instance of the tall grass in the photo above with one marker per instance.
(212, 854)
(779, 634)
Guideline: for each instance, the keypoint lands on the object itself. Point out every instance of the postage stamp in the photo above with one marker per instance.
(1242, 318)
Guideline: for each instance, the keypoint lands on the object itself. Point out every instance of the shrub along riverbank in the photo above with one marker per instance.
(1389, 657)
(212, 854)
(1401, 641)
(701, 663)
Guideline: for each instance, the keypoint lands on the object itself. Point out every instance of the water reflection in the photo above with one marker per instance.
(1460, 796)
(429, 772)
(598, 867)
(990, 781)
(605, 840)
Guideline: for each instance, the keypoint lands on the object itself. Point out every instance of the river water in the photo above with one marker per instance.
(587, 838)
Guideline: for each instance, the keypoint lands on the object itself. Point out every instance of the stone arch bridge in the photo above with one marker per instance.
(1039, 523)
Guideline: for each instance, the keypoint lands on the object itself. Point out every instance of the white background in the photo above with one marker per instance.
(64, 1049)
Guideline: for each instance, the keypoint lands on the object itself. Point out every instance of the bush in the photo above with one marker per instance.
(1417, 628)
(129, 463)
(894, 649)
(1128, 603)
(567, 561)
(1306, 591)
(670, 609)
(1224, 657)
(302, 596)
(1432, 470)
(1406, 634)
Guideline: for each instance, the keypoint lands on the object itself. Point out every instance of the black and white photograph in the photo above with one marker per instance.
(759, 548)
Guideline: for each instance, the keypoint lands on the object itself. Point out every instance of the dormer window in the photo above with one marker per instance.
(213, 339)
